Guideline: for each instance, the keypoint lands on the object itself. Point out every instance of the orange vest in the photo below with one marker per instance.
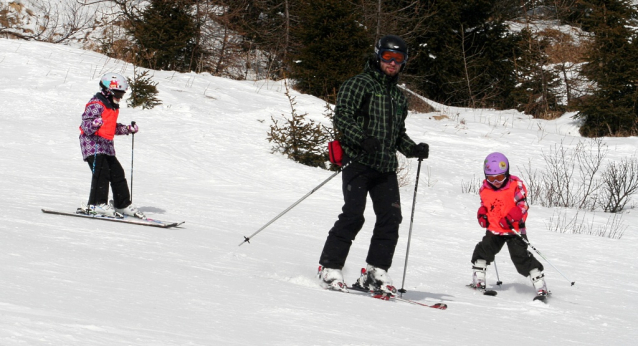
(109, 118)
(499, 203)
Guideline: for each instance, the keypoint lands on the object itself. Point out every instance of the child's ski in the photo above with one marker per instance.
(125, 219)
(542, 297)
(485, 291)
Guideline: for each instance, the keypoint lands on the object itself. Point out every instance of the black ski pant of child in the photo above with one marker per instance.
(491, 244)
(358, 181)
(108, 169)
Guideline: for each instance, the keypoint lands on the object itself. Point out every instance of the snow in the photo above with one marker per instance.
(203, 157)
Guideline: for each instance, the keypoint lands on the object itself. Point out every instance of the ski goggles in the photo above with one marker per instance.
(388, 55)
(496, 178)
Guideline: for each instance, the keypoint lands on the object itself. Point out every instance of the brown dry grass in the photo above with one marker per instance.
(17, 7)
(440, 117)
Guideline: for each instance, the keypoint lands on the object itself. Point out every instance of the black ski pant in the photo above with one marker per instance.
(107, 170)
(491, 244)
(359, 181)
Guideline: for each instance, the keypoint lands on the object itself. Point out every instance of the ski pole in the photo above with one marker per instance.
(247, 239)
(407, 251)
(540, 254)
(498, 280)
(132, 147)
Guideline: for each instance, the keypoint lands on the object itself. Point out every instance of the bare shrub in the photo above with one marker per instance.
(573, 179)
(619, 182)
(428, 177)
(559, 223)
(570, 178)
(583, 223)
(56, 22)
(558, 189)
(589, 156)
(533, 181)
(403, 171)
(614, 228)
(473, 186)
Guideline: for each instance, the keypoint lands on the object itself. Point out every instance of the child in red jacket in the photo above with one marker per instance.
(503, 208)
(98, 128)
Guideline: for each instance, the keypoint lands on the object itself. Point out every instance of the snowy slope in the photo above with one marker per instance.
(203, 157)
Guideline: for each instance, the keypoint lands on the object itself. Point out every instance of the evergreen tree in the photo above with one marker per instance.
(166, 35)
(611, 110)
(301, 140)
(143, 91)
(466, 59)
(332, 46)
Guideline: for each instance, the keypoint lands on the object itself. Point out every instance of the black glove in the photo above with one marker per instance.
(371, 145)
(422, 151)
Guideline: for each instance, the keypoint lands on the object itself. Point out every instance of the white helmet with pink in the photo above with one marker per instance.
(114, 81)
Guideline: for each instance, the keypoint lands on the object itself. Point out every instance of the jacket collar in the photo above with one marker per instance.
(106, 97)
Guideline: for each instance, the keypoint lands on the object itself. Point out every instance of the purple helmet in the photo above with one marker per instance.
(496, 163)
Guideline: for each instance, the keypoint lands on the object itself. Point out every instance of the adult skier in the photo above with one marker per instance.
(370, 115)
(98, 127)
(503, 208)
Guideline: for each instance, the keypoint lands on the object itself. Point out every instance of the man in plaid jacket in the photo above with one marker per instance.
(370, 114)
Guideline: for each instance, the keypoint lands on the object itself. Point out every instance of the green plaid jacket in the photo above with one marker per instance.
(371, 104)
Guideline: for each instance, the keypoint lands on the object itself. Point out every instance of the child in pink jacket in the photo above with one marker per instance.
(503, 208)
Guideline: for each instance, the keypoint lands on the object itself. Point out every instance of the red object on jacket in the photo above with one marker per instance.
(499, 202)
(335, 152)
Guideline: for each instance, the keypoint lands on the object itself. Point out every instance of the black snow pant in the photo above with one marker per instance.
(491, 244)
(358, 180)
(108, 170)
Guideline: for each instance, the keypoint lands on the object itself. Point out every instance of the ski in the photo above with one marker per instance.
(486, 292)
(542, 297)
(382, 296)
(125, 219)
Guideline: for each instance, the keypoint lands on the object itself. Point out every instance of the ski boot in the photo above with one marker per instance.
(377, 281)
(131, 210)
(331, 279)
(103, 209)
(478, 277)
(538, 280)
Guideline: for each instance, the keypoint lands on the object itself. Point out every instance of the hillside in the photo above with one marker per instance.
(203, 157)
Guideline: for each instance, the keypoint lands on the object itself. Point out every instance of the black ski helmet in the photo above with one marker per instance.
(391, 42)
